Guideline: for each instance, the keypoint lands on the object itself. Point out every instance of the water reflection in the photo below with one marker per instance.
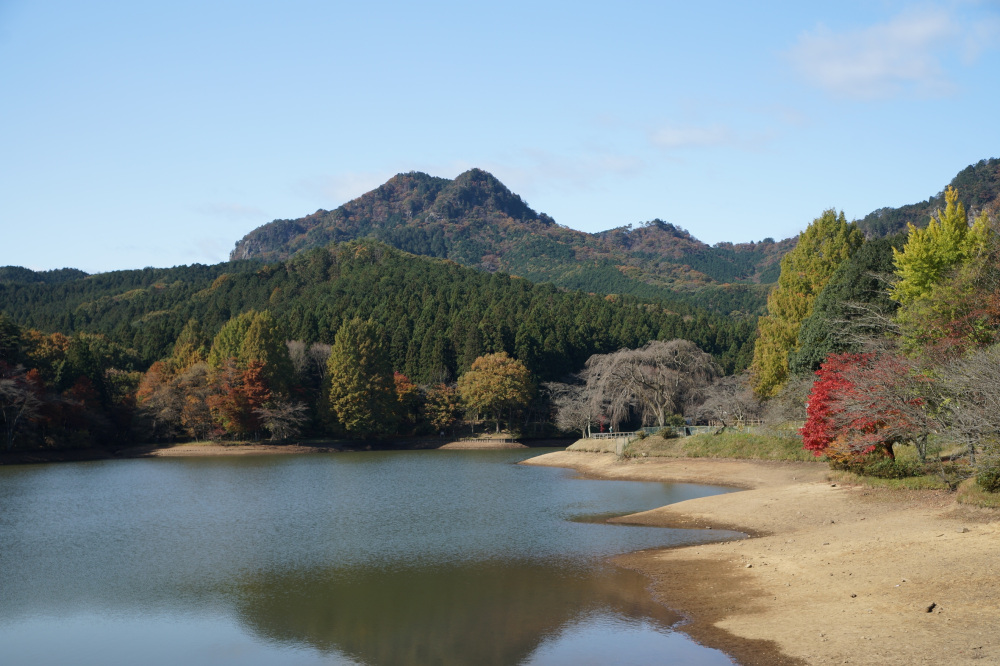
(397, 558)
(487, 613)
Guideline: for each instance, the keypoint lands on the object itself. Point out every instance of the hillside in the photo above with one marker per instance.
(438, 316)
(978, 187)
(476, 221)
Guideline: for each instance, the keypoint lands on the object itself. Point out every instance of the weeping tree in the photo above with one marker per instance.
(654, 381)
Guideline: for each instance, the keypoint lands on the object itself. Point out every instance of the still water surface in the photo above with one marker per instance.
(430, 557)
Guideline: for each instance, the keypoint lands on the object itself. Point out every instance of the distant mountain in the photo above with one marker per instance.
(476, 221)
(978, 188)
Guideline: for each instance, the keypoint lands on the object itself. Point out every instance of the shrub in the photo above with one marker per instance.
(989, 479)
(887, 468)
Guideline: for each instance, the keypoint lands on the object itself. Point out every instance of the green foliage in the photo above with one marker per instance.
(970, 492)
(929, 253)
(19, 275)
(438, 316)
(980, 187)
(10, 340)
(727, 444)
(989, 478)
(859, 281)
(921, 482)
(888, 468)
(254, 336)
(822, 247)
(362, 391)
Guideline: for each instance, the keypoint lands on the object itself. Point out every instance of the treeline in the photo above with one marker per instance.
(181, 329)
(438, 316)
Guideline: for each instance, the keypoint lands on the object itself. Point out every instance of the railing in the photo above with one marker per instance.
(676, 431)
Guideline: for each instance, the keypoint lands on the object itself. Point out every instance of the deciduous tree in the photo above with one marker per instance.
(657, 380)
(497, 385)
(821, 248)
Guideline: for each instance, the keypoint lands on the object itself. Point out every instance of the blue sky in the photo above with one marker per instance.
(156, 134)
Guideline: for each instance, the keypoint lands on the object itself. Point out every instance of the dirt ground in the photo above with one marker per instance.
(832, 574)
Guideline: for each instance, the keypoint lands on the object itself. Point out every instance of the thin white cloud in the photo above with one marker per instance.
(905, 55)
(675, 137)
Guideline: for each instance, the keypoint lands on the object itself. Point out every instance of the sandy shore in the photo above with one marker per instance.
(206, 449)
(833, 575)
(202, 449)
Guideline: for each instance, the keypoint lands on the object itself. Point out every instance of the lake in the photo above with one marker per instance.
(404, 557)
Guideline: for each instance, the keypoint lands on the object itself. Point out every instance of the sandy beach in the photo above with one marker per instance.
(203, 449)
(831, 574)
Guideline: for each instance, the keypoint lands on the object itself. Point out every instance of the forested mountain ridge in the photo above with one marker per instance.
(478, 222)
(438, 316)
(978, 188)
(21, 275)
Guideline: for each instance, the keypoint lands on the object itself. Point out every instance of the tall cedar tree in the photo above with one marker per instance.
(254, 337)
(822, 247)
(362, 387)
(850, 306)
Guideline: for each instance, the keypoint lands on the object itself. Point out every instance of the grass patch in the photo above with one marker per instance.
(748, 446)
(971, 493)
(924, 482)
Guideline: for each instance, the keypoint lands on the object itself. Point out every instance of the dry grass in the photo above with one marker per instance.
(971, 493)
(924, 482)
(747, 446)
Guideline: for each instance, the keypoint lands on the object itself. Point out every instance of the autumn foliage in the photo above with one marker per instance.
(865, 403)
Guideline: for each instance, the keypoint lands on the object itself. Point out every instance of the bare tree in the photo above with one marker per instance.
(971, 399)
(657, 380)
(298, 355)
(789, 406)
(574, 408)
(282, 418)
(730, 401)
(319, 354)
(18, 401)
(309, 361)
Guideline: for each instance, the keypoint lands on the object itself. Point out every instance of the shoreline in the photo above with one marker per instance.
(830, 574)
(217, 449)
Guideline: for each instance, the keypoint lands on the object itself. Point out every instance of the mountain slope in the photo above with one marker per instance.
(476, 221)
(978, 188)
(438, 316)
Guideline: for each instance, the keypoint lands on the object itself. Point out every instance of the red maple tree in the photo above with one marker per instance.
(866, 403)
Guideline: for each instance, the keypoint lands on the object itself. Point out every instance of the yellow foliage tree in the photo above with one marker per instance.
(497, 385)
(823, 246)
(930, 253)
